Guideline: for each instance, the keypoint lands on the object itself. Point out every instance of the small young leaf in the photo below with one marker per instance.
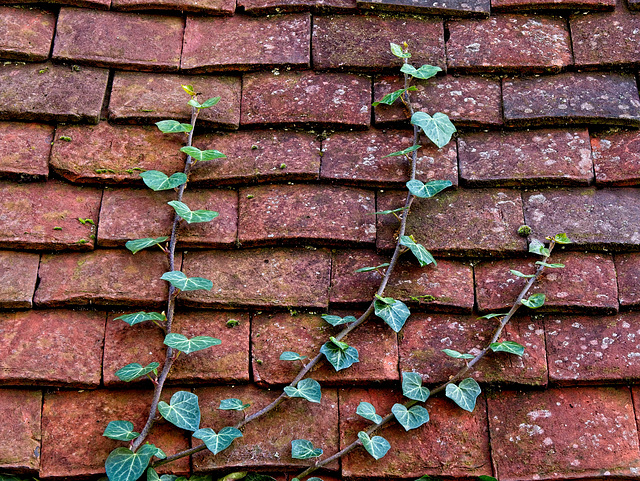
(375, 268)
(376, 446)
(180, 281)
(338, 357)
(192, 216)
(186, 345)
(183, 411)
(535, 301)
(188, 89)
(291, 356)
(220, 441)
(233, 404)
(173, 127)
(235, 476)
(120, 430)
(507, 346)
(406, 151)
(202, 155)
(337, 320)
(308, 389)
(493, 314)
(314, 479)
(303, 449)
(431, 188)
(124, 465)
(457, 355)
(368, 411)
(465, 394)
(138, 317)
(210, 102)
(438, 128)
(425, 72)
(339, 344)
(520, 274)
(134, 370)
(395, 315)
(194, 103)
(137, 245)
(389, 99)
(156, 180)
(537, 247)
(411, 418)
(551, 266)
(398, 52)
(412, 387)
(423, 255)
(562, 239)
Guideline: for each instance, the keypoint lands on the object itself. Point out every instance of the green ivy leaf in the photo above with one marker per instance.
(235, 476)
(183, 411)
(465, 394)
(395, 314)
(138, 317)
(125, 465)
(217, 442)
(493, 314)
(368, 411)
(210, 102)
(339, 344)
(173, 127)
(406, 151)
(537, 247)
(425, 72)
(202, 155)
(180, 281)
(431, 188)
(308, 389)
(520, 274)
(376, 446)
(186, 345)
(189, 89)
(137, 245)
(340, 357)
(291, 356)
(457, 355)
(194, 103)
(120, 431)
(535, 301)
(233, 404)
(412, 387)
(152, 475)
(551, 266)
(438, 128)
(374, 268)
(507, 346)
(303, 449)
(389, 99)
(314, 479)
(156, 180)
(484, 477)
(337, 320)
(423, 255)
(192, 216)
(562, 239)
(411, 418)
(134, 370)
(398, 52)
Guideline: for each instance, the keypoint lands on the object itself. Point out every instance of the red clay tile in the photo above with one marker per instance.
(105, 39)
(458, 222)
(210, 7)
(45, 215)
(469, 101)
(26, 34)
(597, 98)
(537, 5)
(616, 158)
(453, 443)
(593, 349)
(97, 4)
(266, 442)
(362, 42)
(128, 214)
(20, 449)
(18, 273)
(628, 272)
(453, 8)
(563, 433)
(260, 278)
(103, 277)
(262, 7)
(532, 157)
(116, 154)
(143, 343)
(306, 213)
(49, 92)
(246, 43)
(448, 286)
(331, 99)
(52, 348)
(423, 338)
(509, 43)
(358, 157)
(256, 156)
(272, 334)
(595, 218)
(586, 283)
(73, 423)
(24, 150)
(145, 98)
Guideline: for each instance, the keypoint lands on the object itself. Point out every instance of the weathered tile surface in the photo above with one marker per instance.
(532, 157)
(51, 92)
(21, 435)
(525, 5)
(302, 213)
(454, 8)
(26, 34)
(596, 218)
(509, 43)
(243, 43)
(24, 150)
(45, 215)
(563, 433)
(18, 274)
(341, 100)
(97, 4)
(261, 7)
(598, 98)
(616, 158)
(628, 271)
(210, 7)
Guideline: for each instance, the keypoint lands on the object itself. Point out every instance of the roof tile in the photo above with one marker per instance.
(21, 434)
(628, 271)
(453, 8)
(261, 7)
(26, 34)
(537, 5)
(96, 4)
(210, 7)
(616, 158)
(24, 150)
(18, 274)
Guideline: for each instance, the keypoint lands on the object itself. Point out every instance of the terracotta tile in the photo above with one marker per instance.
(18, 274)
(24, 150)
(536, 5)
(616, 158)
(26, 34)
(210, 7)
(453, 8)
(262, 7)
(21, 434)
(628, 272)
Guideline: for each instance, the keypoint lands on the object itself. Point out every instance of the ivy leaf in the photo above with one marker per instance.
(194, 103)
(465, 394)
(138, 317)
(520, 274)
(493, 314)
(156, 180)
(192, 216)
(374, 268)
(398, 52)
(535, 301)
(134, 370)
(457, 355)
(202, 155)
(233, 404)
(431, 188)
(418, 250)
(394, 314)
(120, 430)
(562, 239)
(425, 72)
(303, 449)
(376, 446)
(186, 345)
(406, 151)
(210, 102)
(183, 411)
(368, 411)
(507, 346)
(291, 356)
(412, 387)
(484, 477)
(137, 245)
(340, 357)
(217, 442)
(189, 89)
(308, 389)
(551, 266)
(125, 465)
(173, 127)
(411, 418)
(438, 128)
(389, 99)
(337, 320)
(537, 247)
(180, 281)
